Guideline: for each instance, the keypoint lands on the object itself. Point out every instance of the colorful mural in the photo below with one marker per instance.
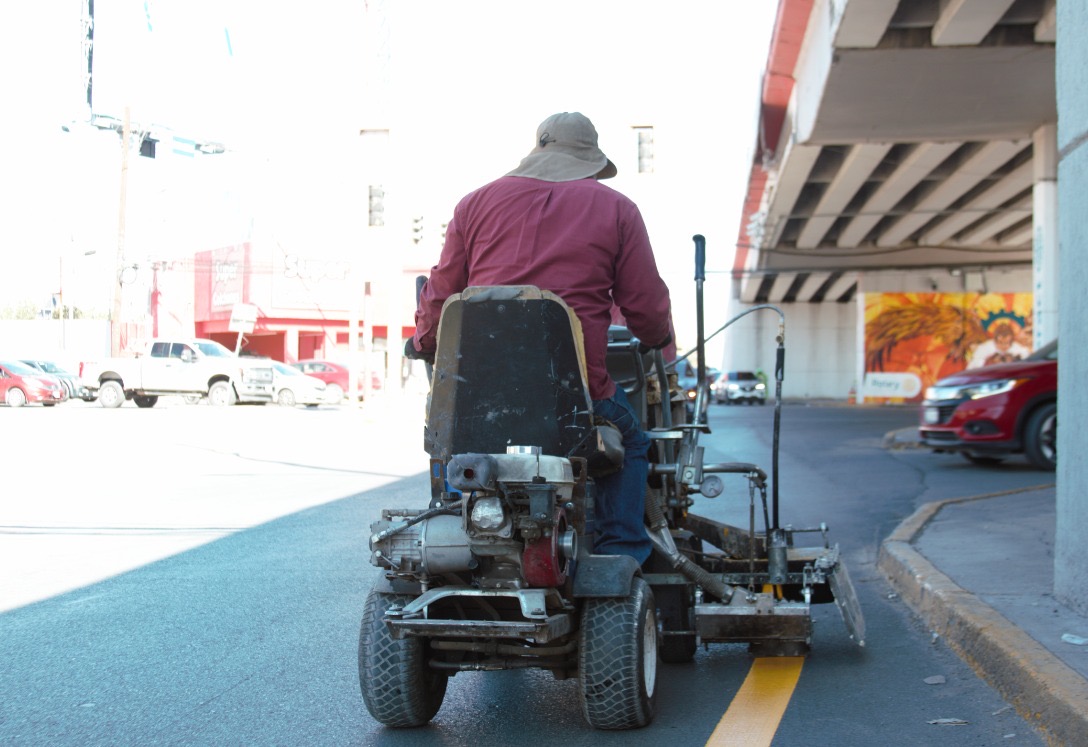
(914, 339)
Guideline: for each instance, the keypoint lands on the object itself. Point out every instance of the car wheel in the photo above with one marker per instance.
(334, 395)
(617, 659)
(191, 399)
(398, 686)
(15, 397)
(111, 395)
(148, 401)
(222, 394)
(286, 398)
(1041, 437)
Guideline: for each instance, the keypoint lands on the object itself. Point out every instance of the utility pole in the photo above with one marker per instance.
(115, 314)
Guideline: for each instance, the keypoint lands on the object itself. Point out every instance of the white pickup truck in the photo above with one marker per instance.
(190, 367)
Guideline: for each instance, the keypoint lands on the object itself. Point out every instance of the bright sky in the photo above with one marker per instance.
(288, 86)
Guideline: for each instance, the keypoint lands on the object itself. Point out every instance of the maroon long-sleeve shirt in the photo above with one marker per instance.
(582, 240)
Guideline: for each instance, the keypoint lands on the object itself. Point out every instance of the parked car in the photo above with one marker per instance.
(291, 387)
(990, 412)
(21, 384)
(73, 385)
(739, 386)
(184, 366)
(335, 377)
(687, 379)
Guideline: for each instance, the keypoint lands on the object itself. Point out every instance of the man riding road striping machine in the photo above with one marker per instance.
(496, 572)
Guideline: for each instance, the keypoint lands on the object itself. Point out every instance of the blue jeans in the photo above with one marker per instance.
(621, 496)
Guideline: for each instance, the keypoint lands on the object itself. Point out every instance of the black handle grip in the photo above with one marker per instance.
(700, 256)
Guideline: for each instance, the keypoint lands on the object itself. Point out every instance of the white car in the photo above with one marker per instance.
(291, 387)
(739, 386)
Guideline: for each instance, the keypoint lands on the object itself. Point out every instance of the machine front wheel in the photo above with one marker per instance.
(617, 659)
(398, 687)
(676, 605)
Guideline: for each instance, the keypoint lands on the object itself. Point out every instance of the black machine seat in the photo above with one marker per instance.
(509, 371)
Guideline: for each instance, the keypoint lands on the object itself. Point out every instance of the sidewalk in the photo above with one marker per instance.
(980, 572)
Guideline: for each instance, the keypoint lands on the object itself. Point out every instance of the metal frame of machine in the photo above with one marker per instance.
(497, 573)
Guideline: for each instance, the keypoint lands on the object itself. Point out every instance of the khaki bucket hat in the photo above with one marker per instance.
(566, 150)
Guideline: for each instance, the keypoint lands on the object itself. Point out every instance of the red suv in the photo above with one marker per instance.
(990, 412)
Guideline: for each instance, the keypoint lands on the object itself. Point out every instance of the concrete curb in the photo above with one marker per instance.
(1042, 688)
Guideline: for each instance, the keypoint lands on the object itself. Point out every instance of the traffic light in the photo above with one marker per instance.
(417, 230)
(376, 206)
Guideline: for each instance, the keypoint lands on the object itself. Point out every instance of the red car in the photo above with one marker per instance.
(20, 384)
(335, 377)
(990, 412)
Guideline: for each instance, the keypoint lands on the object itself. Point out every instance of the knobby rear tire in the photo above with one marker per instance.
(398, 687)
(617, 659)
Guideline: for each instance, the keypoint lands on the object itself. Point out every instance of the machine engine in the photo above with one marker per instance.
(504, 519)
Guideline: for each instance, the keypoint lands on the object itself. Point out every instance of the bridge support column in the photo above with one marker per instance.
(1045, 235)
(1070, 560)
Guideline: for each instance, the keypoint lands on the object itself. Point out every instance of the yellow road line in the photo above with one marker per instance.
(756, 711)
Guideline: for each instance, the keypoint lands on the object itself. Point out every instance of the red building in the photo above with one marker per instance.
(305, 303)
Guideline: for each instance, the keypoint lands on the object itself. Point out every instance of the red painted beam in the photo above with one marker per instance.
(790, 26)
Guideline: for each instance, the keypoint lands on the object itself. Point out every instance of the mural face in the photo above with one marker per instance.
(914, 339)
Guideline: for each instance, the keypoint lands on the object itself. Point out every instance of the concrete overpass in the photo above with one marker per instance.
(902, 146)
(917, 145)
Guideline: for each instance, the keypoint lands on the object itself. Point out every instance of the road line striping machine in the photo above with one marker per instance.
(497, 572)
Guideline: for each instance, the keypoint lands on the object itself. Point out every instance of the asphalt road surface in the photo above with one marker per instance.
(188, 575)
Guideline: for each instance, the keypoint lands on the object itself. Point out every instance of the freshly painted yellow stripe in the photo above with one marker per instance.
(756, 711)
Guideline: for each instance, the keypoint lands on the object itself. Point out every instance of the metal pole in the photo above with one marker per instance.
(702, 391)
(115, 314)
(60, 304)
(353, 341)
(154, 299)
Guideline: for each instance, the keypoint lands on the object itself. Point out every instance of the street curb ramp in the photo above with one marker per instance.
(1043, 689)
